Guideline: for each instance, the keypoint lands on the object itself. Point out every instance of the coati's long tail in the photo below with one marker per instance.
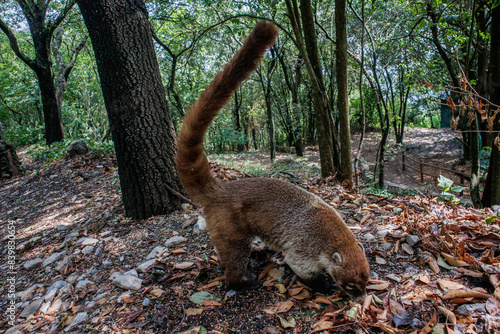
(192, 164)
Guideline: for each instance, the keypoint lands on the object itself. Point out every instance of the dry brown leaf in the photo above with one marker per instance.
(323, 300)
(210, 302)
(183, 265)
(194, 311)
(279, 307)
(178, 251)
(467, 293)
(378, 287)
(453, 261)
(430, 325)
(450, 316)
(321, 326)
(304, 294)
(263, 274)
(424, 278)
(450, 285)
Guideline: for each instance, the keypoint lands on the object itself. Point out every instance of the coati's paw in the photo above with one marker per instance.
(320, 284)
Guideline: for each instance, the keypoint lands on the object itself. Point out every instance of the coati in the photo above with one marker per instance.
(285, 217)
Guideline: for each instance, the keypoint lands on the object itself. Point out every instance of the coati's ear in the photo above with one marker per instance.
(362, 247)
(337, 259)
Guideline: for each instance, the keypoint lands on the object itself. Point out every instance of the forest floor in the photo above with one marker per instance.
(82, 267)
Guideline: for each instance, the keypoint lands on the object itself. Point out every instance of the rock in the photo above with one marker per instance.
(123, 297)
(200, 226)
(146, 302)
(72, 236)
(63, 264)
(155, 252)
(394, 277)
(369, 237)
(31, 308)
(132, 272)
(79, 318)
(175, 240)
(33, 263)
(87, 241)
(87, 250)
(55, 307)
(54, 289)
(28, 293)
(126, 281)
(83, 284)
(186, 206)
(105, 234)
(412, 239)
(15, 330)
(143, 266)
(98, 251)
(53, 258)
(472, 309)
(77, 147)
(53, 176)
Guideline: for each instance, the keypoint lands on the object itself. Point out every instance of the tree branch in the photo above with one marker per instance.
(15, 46)
(53, 24)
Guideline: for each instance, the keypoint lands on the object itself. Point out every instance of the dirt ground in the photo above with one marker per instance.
(72, 244)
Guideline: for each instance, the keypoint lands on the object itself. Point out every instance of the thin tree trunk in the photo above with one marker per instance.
(343, 90)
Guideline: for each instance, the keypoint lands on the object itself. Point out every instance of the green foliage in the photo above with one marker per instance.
(446, 185)
(58, 150)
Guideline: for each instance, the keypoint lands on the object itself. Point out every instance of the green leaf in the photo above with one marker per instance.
(491, 219)
(458, 189)
(444, 183)
(199, 297)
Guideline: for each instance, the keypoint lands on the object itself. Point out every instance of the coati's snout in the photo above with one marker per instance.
(351, 271)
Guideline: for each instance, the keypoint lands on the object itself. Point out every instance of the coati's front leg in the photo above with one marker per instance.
(233, 255)
(308, 272)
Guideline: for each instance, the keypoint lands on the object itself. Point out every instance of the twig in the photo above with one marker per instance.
(182, 197)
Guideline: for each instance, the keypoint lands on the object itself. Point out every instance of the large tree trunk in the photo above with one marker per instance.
(135, 101)
(491, 194)
(343, 90)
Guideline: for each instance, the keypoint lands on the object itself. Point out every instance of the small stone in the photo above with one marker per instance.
(87, 250)
(200, 226)
(123, 297)
(79, 318)
(394, 277)
(146, 302)
(132, 272)
(143, 266)
(87, 241)
(72, 236)
(472, 309)
(382, 233)
(16, 329)
(84, 284)
(31, 308)
(105, 234)
(127, 282)
(175, 240)
(387, 245)
(54, 307)
(63, 264)
(55, 288)
(98, 251)
(186, 206)
(28, 293)
(412, 239)
(53, 258)
(62, 227)
(53, 176)
(369, 237)
(155, 252)
(33, 263)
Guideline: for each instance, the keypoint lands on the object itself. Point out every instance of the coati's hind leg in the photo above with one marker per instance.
(233, 253)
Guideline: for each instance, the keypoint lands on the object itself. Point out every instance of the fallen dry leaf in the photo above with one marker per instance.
(450, 316)
(279, 307)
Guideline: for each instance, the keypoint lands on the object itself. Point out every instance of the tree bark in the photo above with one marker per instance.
(135, 101)
(491, 194)
(343, 90)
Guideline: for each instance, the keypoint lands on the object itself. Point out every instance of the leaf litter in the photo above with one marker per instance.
(435, 266)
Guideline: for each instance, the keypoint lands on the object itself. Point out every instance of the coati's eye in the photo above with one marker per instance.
(337, 259)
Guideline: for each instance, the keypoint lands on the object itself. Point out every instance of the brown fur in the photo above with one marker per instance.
(285, 217)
